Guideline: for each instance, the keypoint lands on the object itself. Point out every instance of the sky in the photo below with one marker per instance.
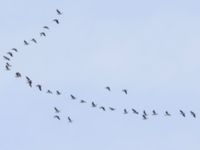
(150, 48)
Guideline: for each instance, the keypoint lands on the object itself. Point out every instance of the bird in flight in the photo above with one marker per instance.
(58, 93)
(49, 92)
(42, 34)
(56, 20)
(167, 113)
(69, 119)
(144, 117)
(25, 42)
(82, 101)
(46, 27)
(134, 111)
(6, 58)
(10, 54)
(72, 97)
(108, 88)
(125, 91)
(58, 12)
(7, 68)
(39, 87)
(154, 113)
(93, 104)
(29, 83)
(182, 113)
(18, 75)
(125, 111)
(111, 108)
(144, 113)
(103, 108)
(14, 49)
(34, 40)
(56, 110)
(57, 117)
(193, 114)
(9, 65)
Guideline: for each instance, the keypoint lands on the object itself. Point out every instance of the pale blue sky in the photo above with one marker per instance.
(149, 47)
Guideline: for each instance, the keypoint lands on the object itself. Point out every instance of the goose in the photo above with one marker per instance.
(125, 91)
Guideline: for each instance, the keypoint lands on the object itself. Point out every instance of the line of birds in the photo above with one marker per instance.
(57, 92)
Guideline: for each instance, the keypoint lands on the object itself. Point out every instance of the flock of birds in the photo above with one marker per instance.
(143, 114)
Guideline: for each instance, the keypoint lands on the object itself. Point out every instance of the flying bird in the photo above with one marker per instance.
(49, 92)
(29, 83)
(57, 117)
(103, 108)
(69, 119)
(7, 68)
(42, 34)
(108, 88)
(144, 113)
(39, 87)
(125, 111)
(56, 110)
(134, 111)
(93, 104)
(58, 93)
(154, 113)
(82, 101)
(193, 114)
(182, 113)
(167, 113)
(46, 27)
(72, 97)
(14, 49)
(144, 117)
(27, 78)
(6, 58)
(58, 12)
(125, 91)
(111, 108)
(34, 40)
(10, 54)
(9, 65)
(25, 42)
(18, 75)
(56, 20)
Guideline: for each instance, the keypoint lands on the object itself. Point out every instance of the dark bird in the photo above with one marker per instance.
(111, 108)
(108, 88)
(167, 113)
(34, 40)
(125, 91)
(25, 42)
(58, 12)
(72, 97)
(182, 113)
(154, 113)
(125, 111)
(193, 114)
(46, 27)
(42, 34)
(58, 93)
(56, 110)
(28, 79)
(144, 117)
(18, 75)
(14, 49)
(57, 117)
(69, 119)
(9, 65)
(7, 68)
(103, 108)
(10, 54)
(6, 58)
(82, 101)
(144, 113)
(56, 20)
(29, 83)
(134, 111)
(49, 92)
(93, 104)
(39, 87)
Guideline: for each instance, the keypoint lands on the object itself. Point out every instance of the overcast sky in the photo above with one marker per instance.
(150, 48)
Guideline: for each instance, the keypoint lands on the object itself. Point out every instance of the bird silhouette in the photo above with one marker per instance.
(82, 101)
(103, 108)
(108, 88)
(134, 111)
(72, 97)
(111, 108)
(46, 27)
(58, 12)
(29, 83)
(57, 117)
(9, 65)
(7, 68)
(39, 87)
(28, 79)
(6, 58)
(42, 34)
(49, 92)
(144, 117)
(144, 113)
(34, 40)
(56, 110)
(154, 113)
(58, 92)
(93, 104)
(10, 54)
(125, 91)
(193, 114)
(56, 20)
(69, 119)
(182, 113)
(14, 49)
(18, 75)
(25, 42)
(167, 113)
(125, 111)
